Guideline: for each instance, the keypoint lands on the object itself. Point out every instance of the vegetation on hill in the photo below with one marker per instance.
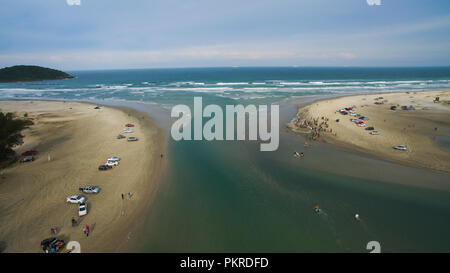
(10, 134)
(24, 73)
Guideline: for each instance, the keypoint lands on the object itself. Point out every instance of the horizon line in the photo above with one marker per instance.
(265, 66)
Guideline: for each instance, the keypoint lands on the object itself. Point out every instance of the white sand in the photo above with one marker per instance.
(78, 139)
(412, 128)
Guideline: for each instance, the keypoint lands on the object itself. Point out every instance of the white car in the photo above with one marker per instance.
(112, 163)
(75, 199)
(131, 138)
(89, 189)
(82, 209)
(127, 130)
(374, 133)
(400, 147)
(113, 158)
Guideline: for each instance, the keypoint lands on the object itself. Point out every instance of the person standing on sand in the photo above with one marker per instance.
(86, 230)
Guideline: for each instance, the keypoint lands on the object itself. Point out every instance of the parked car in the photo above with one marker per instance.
(75, 199)
(29, 152)
(27, 159)
(129, 125)
(364, 118)
(113, 158)
(121, 136)
(82, 209)
(370, 128)
(127, 130)
(104, 168)
(112, 163)
(89, 189)
(374, 133)
(131, 138)
(52, 243)
(361, 124)
(400, 147)
(394, 107)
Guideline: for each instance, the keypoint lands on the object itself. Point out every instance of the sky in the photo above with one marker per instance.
(121, 34)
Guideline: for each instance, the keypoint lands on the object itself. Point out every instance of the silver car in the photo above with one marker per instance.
(90, 189)
(400, 147)
(74, 199)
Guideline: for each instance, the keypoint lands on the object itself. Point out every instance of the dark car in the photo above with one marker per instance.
(394, 107)
(120, 136)
(27, 159)
(30, 152)
(370, 128)
(104, 168)
(52, 244)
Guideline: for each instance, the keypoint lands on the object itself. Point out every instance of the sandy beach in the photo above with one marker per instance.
(417, 129)
(73, 139)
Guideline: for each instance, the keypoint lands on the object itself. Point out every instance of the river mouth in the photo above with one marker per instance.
(223, 196)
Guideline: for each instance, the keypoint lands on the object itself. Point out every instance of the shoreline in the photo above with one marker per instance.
(79, 138)
(356, 139)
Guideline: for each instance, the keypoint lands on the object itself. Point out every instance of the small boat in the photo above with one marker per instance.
(317, 209)
(296, 154)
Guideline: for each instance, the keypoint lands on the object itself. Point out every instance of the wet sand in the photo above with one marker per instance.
(77, 139)
(414, 128)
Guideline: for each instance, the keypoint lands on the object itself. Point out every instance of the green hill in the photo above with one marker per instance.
(26, 73)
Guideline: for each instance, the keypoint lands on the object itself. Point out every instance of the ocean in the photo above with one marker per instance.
(167, 87)
(229, 197)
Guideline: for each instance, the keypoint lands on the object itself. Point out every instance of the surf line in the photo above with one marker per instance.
(213, 129)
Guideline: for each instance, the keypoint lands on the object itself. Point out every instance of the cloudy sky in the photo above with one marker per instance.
(111, 34)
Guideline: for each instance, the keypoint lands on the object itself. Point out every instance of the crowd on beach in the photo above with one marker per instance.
(317, 126)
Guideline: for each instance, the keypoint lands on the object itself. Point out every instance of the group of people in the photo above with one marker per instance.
(85, 229)
(319, 126)
(316, 125)
(129, 195)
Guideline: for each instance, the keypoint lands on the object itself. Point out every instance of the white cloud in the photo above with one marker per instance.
(73, 2)
(373, 2)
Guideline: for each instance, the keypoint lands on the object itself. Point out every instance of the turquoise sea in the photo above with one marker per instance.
(229, 197)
